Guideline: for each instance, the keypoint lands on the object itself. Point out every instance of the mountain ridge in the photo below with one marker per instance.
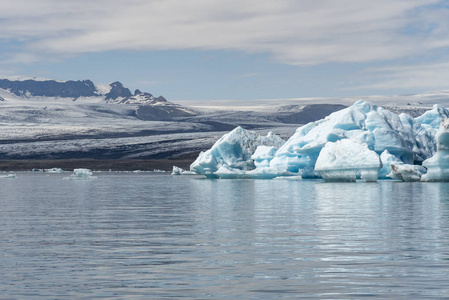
(114, 92)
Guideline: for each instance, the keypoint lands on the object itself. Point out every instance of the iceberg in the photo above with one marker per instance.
(53, 170)
(364, 122)
(233, 150)
(407, 172)
(180, 171)
(360, 141)
(81, 174)
(346, 160)
(438, 165)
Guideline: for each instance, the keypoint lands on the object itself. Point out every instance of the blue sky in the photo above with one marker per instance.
(229, 49)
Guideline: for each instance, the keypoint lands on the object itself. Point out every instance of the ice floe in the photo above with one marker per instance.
(81, 174)
(180, 171)
(10, 175)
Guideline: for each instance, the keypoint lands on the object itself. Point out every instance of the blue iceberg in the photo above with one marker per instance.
(360, 141)
(234, 151)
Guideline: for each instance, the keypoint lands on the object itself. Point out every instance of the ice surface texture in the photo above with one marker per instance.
(407, 172)
(438, 165)
(380, 129)
(346, 160)
(356, 141)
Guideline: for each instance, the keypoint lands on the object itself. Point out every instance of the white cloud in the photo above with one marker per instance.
(421, 76)
(294, 32)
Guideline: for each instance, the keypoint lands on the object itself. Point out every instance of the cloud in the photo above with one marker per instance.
(419, 76)
(293, 32)
(249, 75)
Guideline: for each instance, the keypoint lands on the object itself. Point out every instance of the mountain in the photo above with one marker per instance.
(49, 88)
(112, 93)
(149, 108)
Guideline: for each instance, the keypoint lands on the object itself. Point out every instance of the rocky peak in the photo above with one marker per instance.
(118, 91)
(161, 99)
(143, 94)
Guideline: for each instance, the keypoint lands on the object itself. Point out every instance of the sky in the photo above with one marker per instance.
(232, 49)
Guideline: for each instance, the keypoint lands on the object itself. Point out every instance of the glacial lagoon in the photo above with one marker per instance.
(152, 235)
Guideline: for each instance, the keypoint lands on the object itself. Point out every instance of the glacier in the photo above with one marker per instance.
(361, 141)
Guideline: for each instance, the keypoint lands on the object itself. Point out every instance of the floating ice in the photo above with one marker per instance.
(10, 175)
(367, 123)
(397, 139)
(438, 165)
(233, 150)
(53, 170)
(180, 171)
(81, 174)
(407, 172)
(346, 160)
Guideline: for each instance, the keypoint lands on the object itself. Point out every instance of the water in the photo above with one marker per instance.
(130, 236)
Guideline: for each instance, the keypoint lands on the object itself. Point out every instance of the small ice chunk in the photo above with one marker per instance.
(10, 175)
(346, 160)
(407, 172)
(53, 170)
(81, 174)
(180, 171)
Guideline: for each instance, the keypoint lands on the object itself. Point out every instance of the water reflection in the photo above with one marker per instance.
(144, 236)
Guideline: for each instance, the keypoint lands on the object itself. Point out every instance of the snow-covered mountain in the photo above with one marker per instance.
(111, 93)
(39, 91)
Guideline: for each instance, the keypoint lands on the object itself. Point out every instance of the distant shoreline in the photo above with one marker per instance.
(96, 164)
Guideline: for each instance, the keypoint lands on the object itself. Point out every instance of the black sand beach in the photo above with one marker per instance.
(96, 164)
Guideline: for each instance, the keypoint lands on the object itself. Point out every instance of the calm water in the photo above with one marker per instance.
(128, 235)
